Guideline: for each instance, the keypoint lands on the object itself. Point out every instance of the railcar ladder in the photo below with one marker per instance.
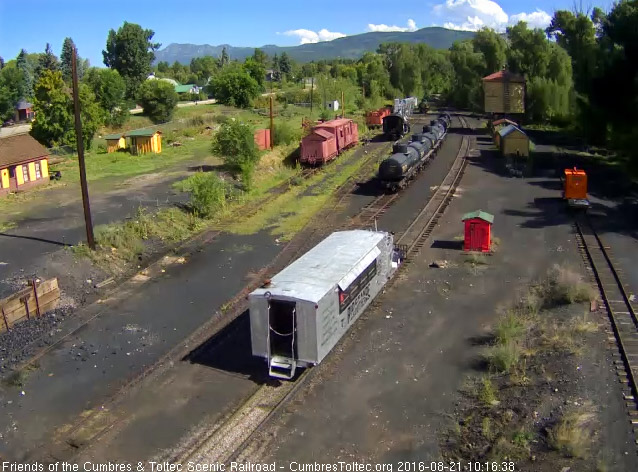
(278, 366)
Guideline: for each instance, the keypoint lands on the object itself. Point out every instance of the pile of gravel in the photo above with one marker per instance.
(25, 338)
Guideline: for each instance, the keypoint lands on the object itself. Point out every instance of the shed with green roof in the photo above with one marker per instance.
(478, 231)
(145, 140)
(115, 142)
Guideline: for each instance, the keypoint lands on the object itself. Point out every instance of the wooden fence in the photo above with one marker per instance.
(32, 301)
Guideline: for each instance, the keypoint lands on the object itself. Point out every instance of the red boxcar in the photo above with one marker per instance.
(327, 140)
(375, 118)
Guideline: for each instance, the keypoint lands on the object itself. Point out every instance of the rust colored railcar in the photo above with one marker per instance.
(374, 119)
(327, 140)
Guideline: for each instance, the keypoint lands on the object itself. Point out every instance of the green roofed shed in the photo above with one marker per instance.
(479, 214)
(185, 88)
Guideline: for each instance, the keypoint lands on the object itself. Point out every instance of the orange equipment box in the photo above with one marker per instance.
(575, 184)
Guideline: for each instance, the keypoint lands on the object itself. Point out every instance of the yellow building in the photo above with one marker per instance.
(115, 142)
(144, 141)
(504, 93)
(513, 141)
(24, 163)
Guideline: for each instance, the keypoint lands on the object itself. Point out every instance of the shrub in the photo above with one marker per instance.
(285, 133)
(235, 143)
(571, 434)
(487, 393)
(234, 87)
(564, 286)
(208, 194)
(159, 99)
(505, 357)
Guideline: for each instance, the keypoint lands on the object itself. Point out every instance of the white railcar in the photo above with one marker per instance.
(305, 309)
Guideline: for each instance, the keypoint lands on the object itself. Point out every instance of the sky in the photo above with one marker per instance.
(30, 24)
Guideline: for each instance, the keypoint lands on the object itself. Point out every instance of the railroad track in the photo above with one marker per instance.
(230, 438)
(620, 310)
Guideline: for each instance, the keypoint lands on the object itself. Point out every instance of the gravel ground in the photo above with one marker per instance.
(20, 343)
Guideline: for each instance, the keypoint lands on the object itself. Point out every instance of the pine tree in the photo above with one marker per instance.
(65, 58)
(47, 61)
(26, 89)
(224, 59)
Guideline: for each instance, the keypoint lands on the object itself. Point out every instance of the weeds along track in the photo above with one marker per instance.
(622, 315)
(231, 439)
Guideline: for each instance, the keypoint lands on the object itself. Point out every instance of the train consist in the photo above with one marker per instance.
(397, 123)
(374, 119)
(327, 140)
(299, 315)
(408, 159)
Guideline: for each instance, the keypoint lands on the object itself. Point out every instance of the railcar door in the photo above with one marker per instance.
(282, 339)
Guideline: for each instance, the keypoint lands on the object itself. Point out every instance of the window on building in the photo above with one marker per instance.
(38, 171)
(25, 173)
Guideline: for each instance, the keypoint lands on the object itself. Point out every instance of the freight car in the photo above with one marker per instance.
(374, 119)
(327, 140)
(407, 160)
(299, 316)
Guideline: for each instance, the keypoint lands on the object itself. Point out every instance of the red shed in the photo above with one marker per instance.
(262, 139)
(318, 147)
(478, 226)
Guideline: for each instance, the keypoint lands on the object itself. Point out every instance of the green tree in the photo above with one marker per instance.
(162, 66)
(204, 68)
(66, 58)
(26, 87)
(130, 51)
(235, 143)
(11, 82)
(109, 89)
(234, 86)
(529, 51)
(261, 57)
(53, 106)
(256, 70)
(224, 59)
(1, 63)
(285, 66)
(159, 100)
(468, 66)
(493, 47)
(48, 61)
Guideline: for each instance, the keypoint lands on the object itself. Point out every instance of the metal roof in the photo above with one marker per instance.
(184, 88)
(323, 133)
(23, 105)
(479, 214)
(113, 136)
(337, 260)
(510, 129)
(334, 123)
(142, 132)
(504, 75)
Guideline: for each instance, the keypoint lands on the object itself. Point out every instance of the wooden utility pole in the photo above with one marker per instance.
(272, 125)
(90, 239)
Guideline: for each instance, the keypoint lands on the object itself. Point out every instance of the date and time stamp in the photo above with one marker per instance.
(339, 466)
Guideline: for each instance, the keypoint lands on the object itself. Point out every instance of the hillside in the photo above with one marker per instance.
(350, 47)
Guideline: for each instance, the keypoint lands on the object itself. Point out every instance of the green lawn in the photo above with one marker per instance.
(123, 164)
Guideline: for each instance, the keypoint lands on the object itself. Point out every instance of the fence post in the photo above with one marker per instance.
(35, 295)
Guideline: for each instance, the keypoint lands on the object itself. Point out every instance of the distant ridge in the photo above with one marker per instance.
(349, 47)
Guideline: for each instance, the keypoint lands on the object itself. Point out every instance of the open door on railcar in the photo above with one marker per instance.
(282, 342)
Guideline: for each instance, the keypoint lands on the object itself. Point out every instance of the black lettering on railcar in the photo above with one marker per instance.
(347, 296)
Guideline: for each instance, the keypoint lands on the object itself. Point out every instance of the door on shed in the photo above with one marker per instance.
(282, 323)
(477, 235)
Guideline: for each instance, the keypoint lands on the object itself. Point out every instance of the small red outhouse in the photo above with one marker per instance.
(478, 226)
(262, 139)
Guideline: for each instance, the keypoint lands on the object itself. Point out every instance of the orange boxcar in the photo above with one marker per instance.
(575, 184)
(375, 118)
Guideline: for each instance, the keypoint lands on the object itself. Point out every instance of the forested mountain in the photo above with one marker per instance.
(349, 47)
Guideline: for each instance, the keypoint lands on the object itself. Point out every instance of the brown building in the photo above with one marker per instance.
(504, 93)
(24, 163)
(24, 111)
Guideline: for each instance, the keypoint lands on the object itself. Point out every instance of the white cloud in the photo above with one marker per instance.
(308, 36)
(537, 19)
(385, 28)
(472, 15)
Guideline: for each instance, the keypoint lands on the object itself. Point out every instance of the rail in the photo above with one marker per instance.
(619, 308)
